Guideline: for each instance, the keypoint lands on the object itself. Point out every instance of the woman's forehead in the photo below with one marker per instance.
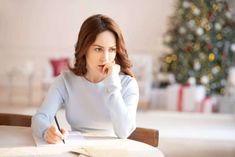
(105, 39)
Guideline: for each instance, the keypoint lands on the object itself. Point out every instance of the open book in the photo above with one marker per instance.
(73, 139)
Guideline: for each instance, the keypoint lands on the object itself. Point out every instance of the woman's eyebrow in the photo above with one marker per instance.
(103, 46)
(98, 45)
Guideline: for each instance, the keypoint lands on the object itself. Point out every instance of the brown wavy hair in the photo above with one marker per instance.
(91, 27)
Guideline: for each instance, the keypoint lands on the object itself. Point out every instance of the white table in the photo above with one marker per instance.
(18, 141)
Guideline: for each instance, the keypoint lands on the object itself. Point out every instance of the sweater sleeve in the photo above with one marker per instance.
(122, 100)
(44, 117)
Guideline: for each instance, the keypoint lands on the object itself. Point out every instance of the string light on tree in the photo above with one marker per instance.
(199, 31)
(233, 47)
(218, 27)
(196, 11)
(204, 79)
(186, 4)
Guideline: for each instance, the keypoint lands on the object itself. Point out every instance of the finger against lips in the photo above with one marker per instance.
(105, 68)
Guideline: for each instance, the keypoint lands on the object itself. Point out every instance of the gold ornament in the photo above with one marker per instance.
(193, 7)
(174, 57)
(208, 27)
(219, 36)
(210, 76)
(204, 22)
(215, 7)
(168, 59)
(197, 46)
(211, 57)
(198, 21)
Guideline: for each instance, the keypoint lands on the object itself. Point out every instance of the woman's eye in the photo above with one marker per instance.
(98, 49)
(112, 50)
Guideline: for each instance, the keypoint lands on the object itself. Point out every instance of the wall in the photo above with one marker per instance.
(37, 29)
(34, 30)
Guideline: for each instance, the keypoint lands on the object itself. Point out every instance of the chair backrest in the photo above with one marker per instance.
(145, 135)
(15, 119)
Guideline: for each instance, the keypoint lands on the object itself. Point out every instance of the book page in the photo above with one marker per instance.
(73, 139)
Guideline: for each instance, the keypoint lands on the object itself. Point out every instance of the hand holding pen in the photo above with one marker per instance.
(58, 126)
(55, 134)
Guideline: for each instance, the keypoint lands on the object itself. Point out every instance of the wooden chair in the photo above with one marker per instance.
(15, 119)
(145, 135)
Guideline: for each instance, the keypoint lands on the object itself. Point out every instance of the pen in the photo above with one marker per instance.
(58, 127)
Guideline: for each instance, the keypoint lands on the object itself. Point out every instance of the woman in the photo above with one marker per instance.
(100, 89)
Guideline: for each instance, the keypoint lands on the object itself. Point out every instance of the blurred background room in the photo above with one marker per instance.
(183, 55)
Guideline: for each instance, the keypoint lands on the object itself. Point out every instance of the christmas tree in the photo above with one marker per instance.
(201, 39)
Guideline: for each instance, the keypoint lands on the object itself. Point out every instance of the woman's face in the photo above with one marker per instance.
(101, 52)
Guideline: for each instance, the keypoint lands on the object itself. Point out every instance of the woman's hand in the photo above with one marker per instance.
(110, 68)
(53, 135)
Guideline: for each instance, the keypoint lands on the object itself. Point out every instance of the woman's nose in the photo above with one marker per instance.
(105, 56)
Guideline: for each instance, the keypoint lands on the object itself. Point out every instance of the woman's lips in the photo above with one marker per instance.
(101, 66)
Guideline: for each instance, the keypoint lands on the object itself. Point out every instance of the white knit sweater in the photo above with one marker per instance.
(109, 104)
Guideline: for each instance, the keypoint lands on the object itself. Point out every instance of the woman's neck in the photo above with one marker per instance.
(94, 78)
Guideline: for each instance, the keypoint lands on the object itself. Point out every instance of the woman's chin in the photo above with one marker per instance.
(100, 70)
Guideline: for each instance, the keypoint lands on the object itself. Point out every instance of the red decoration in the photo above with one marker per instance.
(225, 54)
(59, 65)
(180, 97)
(210, 46)
(203, 103)
(208, 105)
(210, 16)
